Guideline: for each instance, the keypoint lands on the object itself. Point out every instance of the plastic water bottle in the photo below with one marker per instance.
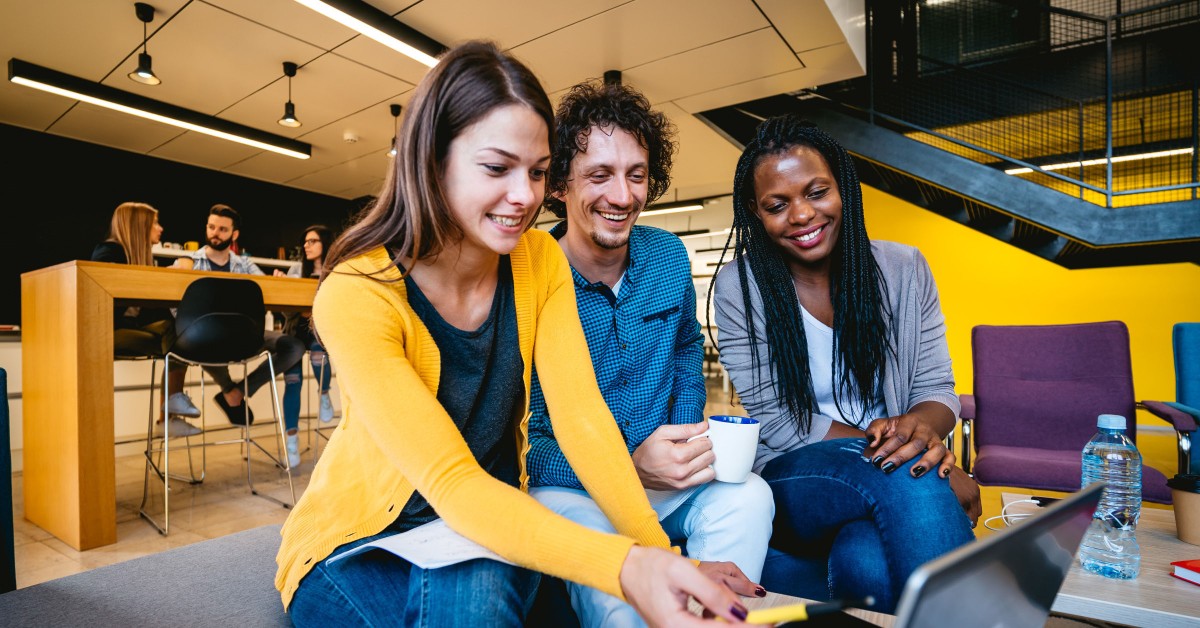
(1110, 547)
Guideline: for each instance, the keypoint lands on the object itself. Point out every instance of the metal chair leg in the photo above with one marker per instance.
(246, 442)
(149, 452)
(280, 459)
(320, 384)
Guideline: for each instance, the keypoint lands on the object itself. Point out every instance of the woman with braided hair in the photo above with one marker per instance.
(837, 345)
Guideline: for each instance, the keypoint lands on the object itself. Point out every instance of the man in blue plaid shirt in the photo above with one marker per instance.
(633, 285)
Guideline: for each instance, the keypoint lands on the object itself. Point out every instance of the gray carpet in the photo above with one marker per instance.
(222, 582)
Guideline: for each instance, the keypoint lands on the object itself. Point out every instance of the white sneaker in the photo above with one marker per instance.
(293, 450)
(326, 413)
(177, 428)
(180, 404)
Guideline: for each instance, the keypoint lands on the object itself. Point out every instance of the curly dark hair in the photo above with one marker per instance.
(594, 104)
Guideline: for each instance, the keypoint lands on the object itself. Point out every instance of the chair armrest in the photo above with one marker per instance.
(967, 414)
(1180, 419)
(968, 406)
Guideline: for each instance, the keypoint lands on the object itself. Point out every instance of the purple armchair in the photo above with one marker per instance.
(1038, 391)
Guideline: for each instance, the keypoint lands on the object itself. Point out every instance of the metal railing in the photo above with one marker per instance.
(1106, 128)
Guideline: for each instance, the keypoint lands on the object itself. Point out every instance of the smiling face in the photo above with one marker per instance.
(797, 200)
(607, 187)
(495, 177)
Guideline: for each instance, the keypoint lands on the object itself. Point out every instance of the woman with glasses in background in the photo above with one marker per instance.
(317, 239)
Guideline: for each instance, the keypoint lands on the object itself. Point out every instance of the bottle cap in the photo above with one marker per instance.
(1110, 422)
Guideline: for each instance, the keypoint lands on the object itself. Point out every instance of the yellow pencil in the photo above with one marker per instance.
(798, 612)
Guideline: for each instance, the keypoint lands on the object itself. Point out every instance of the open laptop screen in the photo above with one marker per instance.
(1007, 579)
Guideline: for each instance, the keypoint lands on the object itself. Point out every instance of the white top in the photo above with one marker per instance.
(616, 289)
(820, 365)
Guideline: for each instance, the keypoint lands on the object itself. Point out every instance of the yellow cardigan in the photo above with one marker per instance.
(394, 436)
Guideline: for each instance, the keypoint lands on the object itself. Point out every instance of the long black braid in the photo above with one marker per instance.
(861, 314)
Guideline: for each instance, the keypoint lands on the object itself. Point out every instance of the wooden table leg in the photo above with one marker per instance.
(67, 373)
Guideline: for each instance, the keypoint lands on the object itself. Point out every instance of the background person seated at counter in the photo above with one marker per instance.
(144, 330)
(221, 231)
(633, 287)
(317, 239)
(221, 234)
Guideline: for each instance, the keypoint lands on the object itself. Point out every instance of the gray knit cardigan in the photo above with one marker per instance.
(918, 370)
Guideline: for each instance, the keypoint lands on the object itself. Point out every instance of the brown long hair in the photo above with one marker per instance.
(412, 216)
(132, 224)
(307, 266)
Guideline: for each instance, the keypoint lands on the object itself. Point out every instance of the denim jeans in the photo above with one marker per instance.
(378, 588)
(286, 352)
(843, 523)
(718, 521)
(293, 383)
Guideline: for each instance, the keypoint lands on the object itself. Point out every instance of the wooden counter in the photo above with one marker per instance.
(67, 362)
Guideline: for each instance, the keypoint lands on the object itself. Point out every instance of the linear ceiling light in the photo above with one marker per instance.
(704, 234)
(55, 82)
(658, 211)
(381, 27)
(1097, 162)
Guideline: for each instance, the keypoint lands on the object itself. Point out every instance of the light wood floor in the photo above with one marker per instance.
(223, 505)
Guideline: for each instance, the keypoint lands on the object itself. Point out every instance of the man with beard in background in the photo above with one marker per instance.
(221, 231)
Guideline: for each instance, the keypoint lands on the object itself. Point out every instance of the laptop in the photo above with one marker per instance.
(1009, 579)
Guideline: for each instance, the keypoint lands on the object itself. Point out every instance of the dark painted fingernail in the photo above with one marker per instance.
(760, 592)
(918, 471)
(888, 466)
(739, 611)
(945, 473)
(876, 460)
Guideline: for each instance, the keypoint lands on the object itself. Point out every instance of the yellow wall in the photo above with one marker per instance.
(982, 280)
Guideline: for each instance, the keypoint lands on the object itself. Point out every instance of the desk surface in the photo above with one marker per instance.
(1154, 598)
(123, 281)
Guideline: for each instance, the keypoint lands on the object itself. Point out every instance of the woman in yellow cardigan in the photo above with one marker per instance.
(437, 305)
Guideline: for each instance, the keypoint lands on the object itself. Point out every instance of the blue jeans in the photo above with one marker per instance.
(845, 528)
(718, 521)
(378, 588)
(293, 383)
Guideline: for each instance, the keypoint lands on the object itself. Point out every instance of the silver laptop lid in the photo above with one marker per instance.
(1007, 579)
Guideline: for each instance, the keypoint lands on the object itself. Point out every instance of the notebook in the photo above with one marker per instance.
(1008, 579)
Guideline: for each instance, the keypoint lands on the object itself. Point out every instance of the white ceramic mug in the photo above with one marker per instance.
(734, 441)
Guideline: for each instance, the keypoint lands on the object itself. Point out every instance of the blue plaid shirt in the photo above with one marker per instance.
(238, 265)
(646, 349)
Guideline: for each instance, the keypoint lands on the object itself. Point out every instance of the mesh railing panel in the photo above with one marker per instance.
(972, 86)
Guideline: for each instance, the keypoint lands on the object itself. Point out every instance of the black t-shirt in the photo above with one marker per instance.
(480, 386)
(126, 317)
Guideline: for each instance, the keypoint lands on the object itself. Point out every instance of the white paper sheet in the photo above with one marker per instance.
(666, 502)
(429, 546)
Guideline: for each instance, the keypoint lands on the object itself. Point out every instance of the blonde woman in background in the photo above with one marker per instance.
(143, 331)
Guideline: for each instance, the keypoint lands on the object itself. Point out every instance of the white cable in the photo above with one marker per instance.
(1008, 519)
